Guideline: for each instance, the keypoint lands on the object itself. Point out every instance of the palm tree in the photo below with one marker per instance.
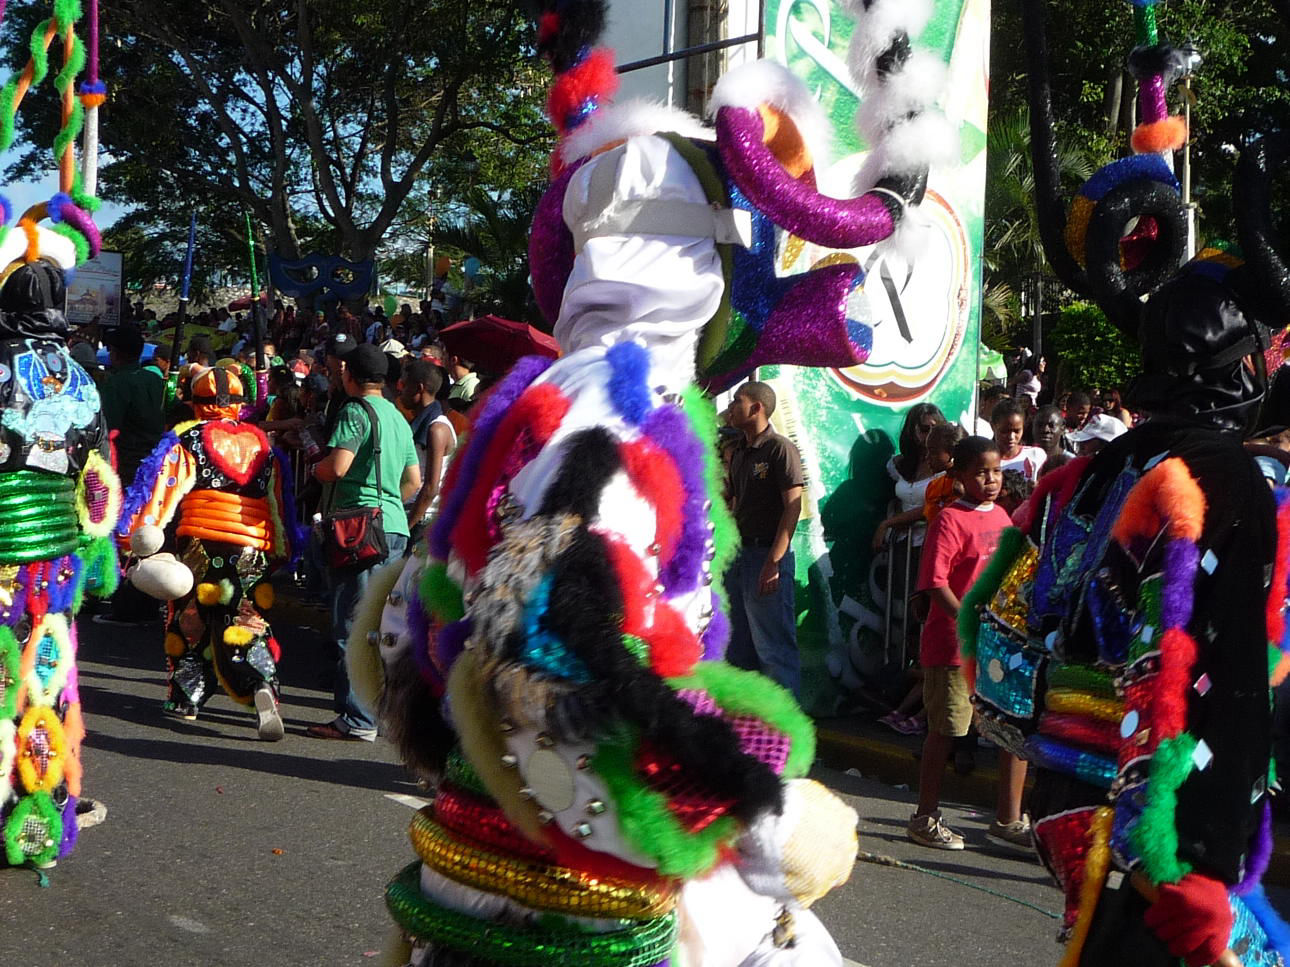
(1014, 254)
(495, 229)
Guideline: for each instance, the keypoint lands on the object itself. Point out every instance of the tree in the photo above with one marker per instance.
(1092, 353)
(319, 117)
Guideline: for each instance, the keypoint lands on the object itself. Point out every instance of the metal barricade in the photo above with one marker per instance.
(900, 560)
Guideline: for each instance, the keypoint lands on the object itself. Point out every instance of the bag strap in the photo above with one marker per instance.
(370, 410)
(330, 495)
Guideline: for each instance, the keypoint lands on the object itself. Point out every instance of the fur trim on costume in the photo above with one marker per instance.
(768, 82)
(590, 458)
(489, 412)
(1274, 927)
(566, 28)
(1157, 137)
(1260, 854)
(669, 428)
(1169, 702)
(98, 496)
(412, 718)
(363, 656)
(878, 23)
(440, 594)
(475, 718)
(673, 648)
(1278, 591)
(913, 88)
(702, 414)
(208, 594)
(237, 636)
(580, 91)
(1155, 837)
(1166, 495)
(629, 381)
(927, 140)
(264, 595)
(655, 477)
(629, 119)
(145, 478)
(1182, 557)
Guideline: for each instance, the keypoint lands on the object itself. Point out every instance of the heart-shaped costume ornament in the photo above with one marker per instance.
(238, 450)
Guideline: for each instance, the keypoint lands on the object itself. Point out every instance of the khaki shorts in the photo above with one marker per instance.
(945, 693)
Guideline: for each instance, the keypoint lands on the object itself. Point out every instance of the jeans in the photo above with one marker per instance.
(763, 627)
(347, 591)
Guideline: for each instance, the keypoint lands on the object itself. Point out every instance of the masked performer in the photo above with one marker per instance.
(223, 488)
(607, 790)
(1121, 635)
(59, 500)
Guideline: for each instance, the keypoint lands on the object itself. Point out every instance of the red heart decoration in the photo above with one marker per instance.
(238, 450)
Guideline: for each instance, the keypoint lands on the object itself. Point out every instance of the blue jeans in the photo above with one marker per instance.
(763, 627)
(347, 591)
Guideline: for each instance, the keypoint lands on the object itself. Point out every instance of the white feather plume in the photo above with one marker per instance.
(929, 139)
(629, 119)
(913, 89)
(879, 25)
(768, 82)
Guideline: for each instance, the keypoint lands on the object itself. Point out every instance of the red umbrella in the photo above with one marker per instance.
(494, 344)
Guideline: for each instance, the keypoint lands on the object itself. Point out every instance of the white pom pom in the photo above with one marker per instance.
(147, 540)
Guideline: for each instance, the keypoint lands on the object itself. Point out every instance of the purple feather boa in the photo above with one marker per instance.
(297, 536)
(491, 412)
(144, 480)
(668, 428)
(717, 636)
(1181, 560)
(1260, 854)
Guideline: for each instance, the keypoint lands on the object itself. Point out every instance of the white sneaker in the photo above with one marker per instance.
(930, 831)
(269, 720)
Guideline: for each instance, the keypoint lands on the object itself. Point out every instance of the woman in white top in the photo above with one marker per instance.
(1009, 422)
(910, 473)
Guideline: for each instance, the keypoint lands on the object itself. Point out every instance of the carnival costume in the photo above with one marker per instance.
(1122, 637)
(607, 790)
(226, 491)
(59, 495)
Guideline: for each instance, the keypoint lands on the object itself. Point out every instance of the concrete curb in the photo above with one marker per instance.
(895, 765)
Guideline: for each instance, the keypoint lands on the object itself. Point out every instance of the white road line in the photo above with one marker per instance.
(412, 802)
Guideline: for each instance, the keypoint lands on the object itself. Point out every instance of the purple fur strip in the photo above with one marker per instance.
(297, 535)
(144, 479)
(70, 829)
(551, 254)
(451, 643)
(80, 220)
(1181, 560)
(1260, 854)
(491, 412)
(668, 428)
(792, 203)
(717, 636)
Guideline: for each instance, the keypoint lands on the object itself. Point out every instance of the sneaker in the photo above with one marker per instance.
(266, 710)
(1016, 834)
(333, 730)
(930, 831)
(179, 710)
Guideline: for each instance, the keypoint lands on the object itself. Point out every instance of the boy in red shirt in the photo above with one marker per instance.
(958, 546)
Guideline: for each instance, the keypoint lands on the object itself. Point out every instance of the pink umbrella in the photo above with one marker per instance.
(494, 344)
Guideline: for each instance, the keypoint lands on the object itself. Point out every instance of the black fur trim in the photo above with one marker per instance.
(582, 22)
(590, 459)
(586, 615)
(411, 719)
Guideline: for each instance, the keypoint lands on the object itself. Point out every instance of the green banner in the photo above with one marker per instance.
(926, 316)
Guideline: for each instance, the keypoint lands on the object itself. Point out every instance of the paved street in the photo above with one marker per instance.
(220, 849)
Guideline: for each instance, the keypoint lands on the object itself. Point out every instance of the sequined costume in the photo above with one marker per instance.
(59, 500)
(220, 487)
(1120, 638)
(607, 790)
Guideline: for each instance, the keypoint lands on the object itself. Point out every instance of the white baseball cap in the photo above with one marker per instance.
(1100, 427)
(392, 347)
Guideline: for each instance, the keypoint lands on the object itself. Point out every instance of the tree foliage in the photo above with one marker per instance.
(1092, 353)
(319, 117)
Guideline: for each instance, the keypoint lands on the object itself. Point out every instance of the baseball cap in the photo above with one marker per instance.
(367, 364)
(341, 345)
(1100, 427)
(84, 354)
(392, 347)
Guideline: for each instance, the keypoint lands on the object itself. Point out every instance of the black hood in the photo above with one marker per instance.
(1196, 335)
(31, 302)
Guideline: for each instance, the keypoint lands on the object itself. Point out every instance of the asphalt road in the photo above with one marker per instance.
(220, 849)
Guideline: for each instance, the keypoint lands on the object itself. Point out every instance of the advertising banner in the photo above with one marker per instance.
(925, 313)
(94, 291)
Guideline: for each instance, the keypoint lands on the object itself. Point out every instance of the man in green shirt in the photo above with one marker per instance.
(132, 400)
(350, 468)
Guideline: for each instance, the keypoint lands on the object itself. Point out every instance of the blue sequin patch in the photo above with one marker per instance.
(1006, 672)
(542, 650)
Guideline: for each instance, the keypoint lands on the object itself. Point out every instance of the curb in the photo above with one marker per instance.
(894, 765)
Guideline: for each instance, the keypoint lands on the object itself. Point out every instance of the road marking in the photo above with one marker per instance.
(850, 963)
(412, 802)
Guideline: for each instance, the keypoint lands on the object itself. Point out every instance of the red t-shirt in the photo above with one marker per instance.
(958, 546)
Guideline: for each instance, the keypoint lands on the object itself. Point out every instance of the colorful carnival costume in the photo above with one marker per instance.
(225, 491)
(607, 790)
(59, 500)
(1121, 636)
(59, 496)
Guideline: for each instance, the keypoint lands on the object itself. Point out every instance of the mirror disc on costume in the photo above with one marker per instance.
(40, 750)
(551, 779)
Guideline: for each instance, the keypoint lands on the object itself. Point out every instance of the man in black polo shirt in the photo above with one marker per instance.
(766, 498)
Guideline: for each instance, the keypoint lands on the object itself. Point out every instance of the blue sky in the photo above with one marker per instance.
(25, 194)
